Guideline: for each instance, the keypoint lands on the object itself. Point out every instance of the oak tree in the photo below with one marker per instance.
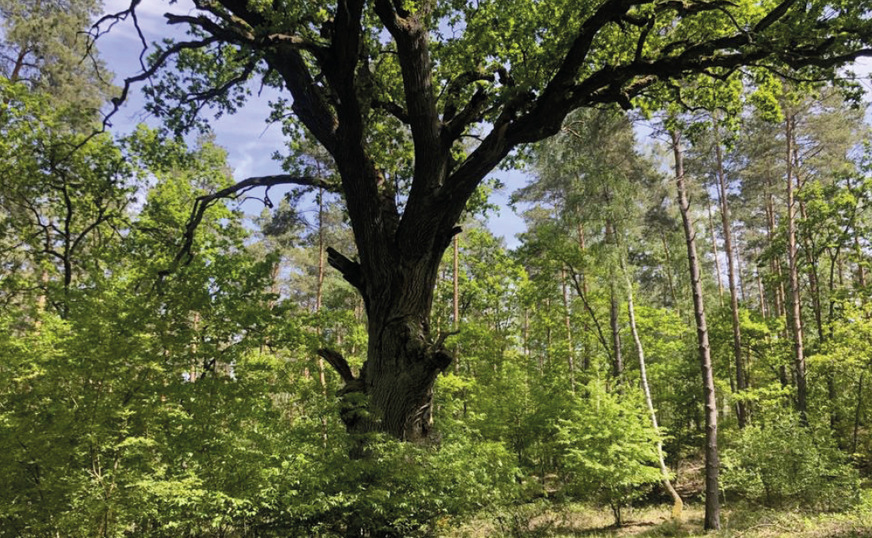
(430, 96)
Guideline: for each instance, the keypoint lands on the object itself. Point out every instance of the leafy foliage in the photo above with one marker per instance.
(779, 461)
(609, 447)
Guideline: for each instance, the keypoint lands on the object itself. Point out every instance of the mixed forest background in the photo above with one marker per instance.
(159, 378)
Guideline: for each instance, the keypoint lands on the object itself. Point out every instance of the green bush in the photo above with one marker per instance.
(609, 447)
(398, 489)
(781, 462)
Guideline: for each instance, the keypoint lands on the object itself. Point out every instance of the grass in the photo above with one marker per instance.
(737, 521)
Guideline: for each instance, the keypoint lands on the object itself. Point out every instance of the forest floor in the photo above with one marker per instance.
(739, 521)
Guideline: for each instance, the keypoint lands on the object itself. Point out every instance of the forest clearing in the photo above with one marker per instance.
(654, 521)
(420, 268)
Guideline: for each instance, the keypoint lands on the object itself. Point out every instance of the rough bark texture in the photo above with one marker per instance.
(712, 503)
(402, 358)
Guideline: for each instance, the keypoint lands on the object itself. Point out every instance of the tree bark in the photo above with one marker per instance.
(811, 257)
(585, 349)
(712, 502)
(861, 270)
(402, 358)
(793, 270)
(761, 292)
(731, 275)
(778, 293)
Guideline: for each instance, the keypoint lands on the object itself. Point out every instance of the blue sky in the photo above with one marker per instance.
(250, 142)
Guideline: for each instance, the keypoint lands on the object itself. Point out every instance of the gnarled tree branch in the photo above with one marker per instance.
(349, 269)
(202, 203)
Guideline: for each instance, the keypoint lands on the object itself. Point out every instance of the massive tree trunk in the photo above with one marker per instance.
(712, 503)
(403, 359)
(396, 275)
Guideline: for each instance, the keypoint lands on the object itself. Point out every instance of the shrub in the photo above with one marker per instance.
(609, 448)
(782, 462)
(398, 489)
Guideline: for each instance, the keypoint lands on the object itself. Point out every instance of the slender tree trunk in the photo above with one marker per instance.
(194, 372)
(19, 63)
(668, 271)
(778, 293)
(582, 246)
(761, 292)
(796, 312)
(319, 292)
(775, 264)
(841, 266)
(548, 329)
(717, 258)
(677, 504)
(857, 413)
(712, 502)
(618, 365)
(811, 269)
(617, 357)
(739, 280)
(731, 276)
(585, 348)
(456, 295)
(861, 270)
(568, 321)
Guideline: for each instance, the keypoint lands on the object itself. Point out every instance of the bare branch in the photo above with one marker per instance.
(158, 63)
